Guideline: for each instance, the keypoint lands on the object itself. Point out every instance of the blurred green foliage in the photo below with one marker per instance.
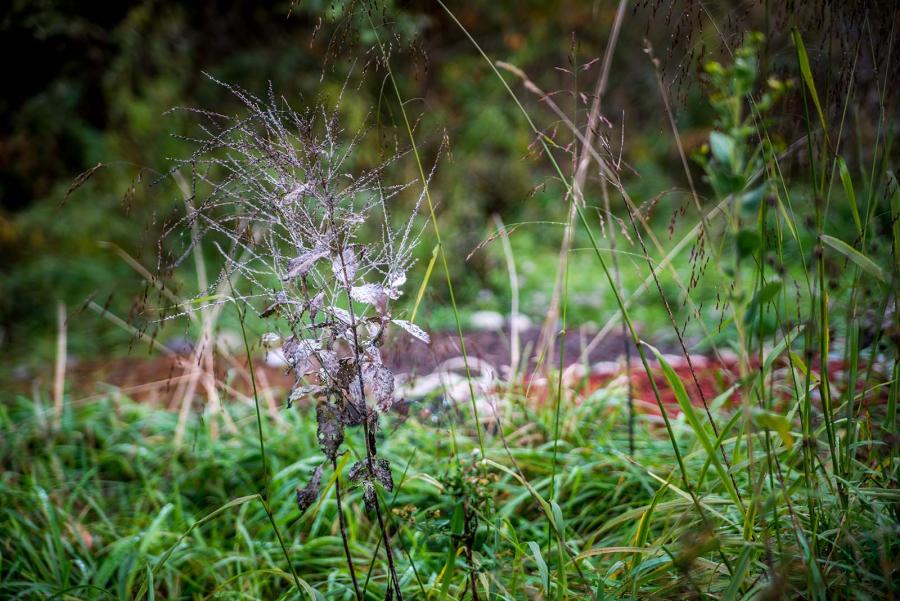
(93, 85)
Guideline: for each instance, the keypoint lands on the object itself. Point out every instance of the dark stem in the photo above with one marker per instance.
(369, 441)
(343, 524)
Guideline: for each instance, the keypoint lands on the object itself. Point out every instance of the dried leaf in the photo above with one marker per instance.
(382, 469)
(280, 299)
(354, 413)
(298, 352)
(358, 471)
(316, 303)
(380, 382)
(369, 497)
(413, 330)
(307, 495)
(329, 363)
(344, 266)
(381, 472)
(375, 295)
(342, 314)
(330, 430)
(300, 266)
(299, 393)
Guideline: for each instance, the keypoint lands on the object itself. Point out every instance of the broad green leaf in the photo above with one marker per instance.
(722, 147)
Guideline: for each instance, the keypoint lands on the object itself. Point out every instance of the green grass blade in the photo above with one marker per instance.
(861, 260)
(684, 402)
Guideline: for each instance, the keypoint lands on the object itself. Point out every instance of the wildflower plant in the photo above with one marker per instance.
(284, 194)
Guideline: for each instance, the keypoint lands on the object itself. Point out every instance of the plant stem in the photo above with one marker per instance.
(343, 525)
(369, 436)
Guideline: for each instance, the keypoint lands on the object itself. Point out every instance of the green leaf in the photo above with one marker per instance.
(776, 422)
(424, 284)
(851, 195)
(558, 517)
(737, 576)
(458, 521)
(861, 260)
(697, 425)
(763, 296)
(722, 147)
(541, 564)
(895, 215)
(806, 72)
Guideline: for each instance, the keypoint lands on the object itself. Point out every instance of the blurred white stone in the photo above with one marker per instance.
(606, 369)
(486, 320)
(520, 322)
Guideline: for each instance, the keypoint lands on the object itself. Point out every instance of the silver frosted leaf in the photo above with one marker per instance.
(316, 303)
(342, 314)
(413, 330)
(299, 351)
(372, 294)
(345, 266)
(380, 382)
(298, 393)
(300, 266)
(307, 495)
(329, 363)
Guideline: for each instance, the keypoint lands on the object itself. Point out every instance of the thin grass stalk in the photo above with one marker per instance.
(822, 297)
(557, 410)
(608, 174)
(583, 162)
(514, 343)
(259, 427)
(59, 373)
(609, 278)
(437, 234)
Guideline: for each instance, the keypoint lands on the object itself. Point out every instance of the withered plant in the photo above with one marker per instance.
(288, 208)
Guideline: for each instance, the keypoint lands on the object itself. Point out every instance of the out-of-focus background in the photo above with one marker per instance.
(86, 136)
